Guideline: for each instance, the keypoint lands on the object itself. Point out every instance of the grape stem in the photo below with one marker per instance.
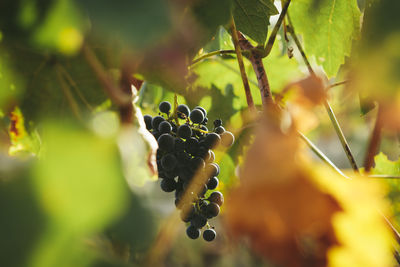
(272, 37)
(328, 108)
(258, 67)
(249, 97)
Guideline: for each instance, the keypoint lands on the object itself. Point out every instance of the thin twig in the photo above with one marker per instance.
(211, 54)
(115, 94)
(336, 84)
(258, 66)
(291, 31)
(75, 86)
(328, 108)
(321, 155)
(274, 32)
(383, 176)
(249, 97)
(374, 142)
(68, 94)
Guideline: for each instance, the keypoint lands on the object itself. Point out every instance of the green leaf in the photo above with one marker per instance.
(210, 14)
(139, 23)
(62, 28)
(79, 179)
(384, 166)
(252, 17)
(328, 31)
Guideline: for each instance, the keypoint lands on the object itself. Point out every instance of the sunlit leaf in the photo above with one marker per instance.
(252, 17)
(323, 26)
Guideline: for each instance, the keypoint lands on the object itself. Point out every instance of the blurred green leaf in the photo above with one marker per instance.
(78, 179)
(210, 14)
(11, 84)
(62, 28)
(252, 17)
(22, 220)
(323, 26)
(140, 23)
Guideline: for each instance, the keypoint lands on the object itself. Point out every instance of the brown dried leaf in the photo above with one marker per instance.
(285, 215)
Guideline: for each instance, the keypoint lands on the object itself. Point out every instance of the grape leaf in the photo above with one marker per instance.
(384, 166)
(252, 17)
(328, 30)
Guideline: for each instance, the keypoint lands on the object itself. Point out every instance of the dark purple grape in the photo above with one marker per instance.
(212, 210)
(166, 142)
(183, 111)
(209, 235)
(164, 127)
(192, 145)
(168, 162)
(179, 145)
(217, 123)
(164, 107)
(202, 110)
(198, 221)
(184, 131)
(219, 130)
(212, 169)
(212, 140)
(168, 185)
(213, 183)
(217, 198)
(155, 122)
(196, 116)
(193, 232)
(147, 121)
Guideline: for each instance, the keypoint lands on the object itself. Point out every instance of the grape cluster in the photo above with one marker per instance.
(184, 152)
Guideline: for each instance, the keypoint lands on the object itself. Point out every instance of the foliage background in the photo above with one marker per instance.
(75, 188)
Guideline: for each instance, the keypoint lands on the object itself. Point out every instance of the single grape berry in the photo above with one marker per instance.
(168, 185)
(166, 142)
(217, 198)
(227, 139)
(164, 127)
(155, 122)
(212, 169)
(202, 110)
(192, 145)
(198, 221)
(219, 130)
(147, 121)
(196, 116)
(168, 162)
(212, 210)
(212, 140)
(164, 107)
(183, 111)
(179, 145)
(213, 183)
(209, 235)
(184, 131)
(217, 123)
(193, 232)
